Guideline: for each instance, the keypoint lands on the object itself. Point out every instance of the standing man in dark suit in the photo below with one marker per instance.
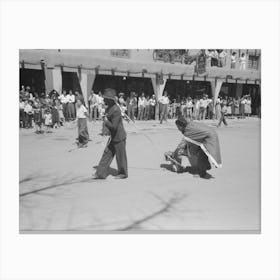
(117, 142)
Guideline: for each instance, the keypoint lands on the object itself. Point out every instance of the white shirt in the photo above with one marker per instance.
(94, 99)
(63, 99)
(243, 59)
(48, 119)
(21, 105)
(122, 101)
(141, 101)
(100, 100)
(203, 103)
(164, 100)
(152, 102)
(81, 112)
(28, 109)
(222, 54)
(70, 98)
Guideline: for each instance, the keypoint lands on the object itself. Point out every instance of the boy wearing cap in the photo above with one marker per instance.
(117, 143)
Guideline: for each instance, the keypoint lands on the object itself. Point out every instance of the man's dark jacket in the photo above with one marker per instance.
(115, 124)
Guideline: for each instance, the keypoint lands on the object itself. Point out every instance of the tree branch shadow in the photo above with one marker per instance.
(167, 206)
(57, 182)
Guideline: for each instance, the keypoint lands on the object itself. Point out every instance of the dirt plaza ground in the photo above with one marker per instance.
(56, 191)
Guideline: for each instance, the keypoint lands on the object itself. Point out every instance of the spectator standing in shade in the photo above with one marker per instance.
(236, 107)
(38, 116)
(229, 106)
(202, 107)
(210, 108)
(122, 102)
(71, 105)
(152, 106)
(189, 108)
(218, 108)
(64, 100)
(55, 114)
(28, 114)
(195, 108)
(60, 113)
(147, 108)
(242, 107)
(21, 113)
(141, 107)
(223, 113)
(93, 106)
(247, 109)
(100, 106)
(131, 105)
(164, 101)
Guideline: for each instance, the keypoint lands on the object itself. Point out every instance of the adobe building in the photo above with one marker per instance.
(140, 70)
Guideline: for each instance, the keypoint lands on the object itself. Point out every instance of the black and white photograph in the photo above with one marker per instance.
(139, 140)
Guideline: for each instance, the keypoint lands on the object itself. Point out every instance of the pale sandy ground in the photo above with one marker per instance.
(152, 198)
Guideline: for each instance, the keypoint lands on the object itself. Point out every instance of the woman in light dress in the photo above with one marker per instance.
(236, 107)
(243, 62)
(218, 108)
(248, 109)
(229, 106)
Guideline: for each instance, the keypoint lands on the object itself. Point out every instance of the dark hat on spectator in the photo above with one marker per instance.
(109, 93)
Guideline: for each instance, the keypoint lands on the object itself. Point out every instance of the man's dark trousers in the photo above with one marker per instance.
(110, 151)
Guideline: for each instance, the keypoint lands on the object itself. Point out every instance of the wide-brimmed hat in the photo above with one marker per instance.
(109, 93)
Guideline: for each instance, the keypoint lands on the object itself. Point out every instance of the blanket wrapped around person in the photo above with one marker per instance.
(200, 144)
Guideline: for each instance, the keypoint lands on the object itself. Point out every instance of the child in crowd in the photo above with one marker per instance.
(38, 117)
(48, 120)
(82, 115)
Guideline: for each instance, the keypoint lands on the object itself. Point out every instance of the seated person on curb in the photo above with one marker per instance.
(199, 160)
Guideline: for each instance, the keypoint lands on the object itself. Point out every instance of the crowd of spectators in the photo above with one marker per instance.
(214, 57)
(48, 111)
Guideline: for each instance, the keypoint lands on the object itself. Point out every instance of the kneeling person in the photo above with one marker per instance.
(200, 143)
